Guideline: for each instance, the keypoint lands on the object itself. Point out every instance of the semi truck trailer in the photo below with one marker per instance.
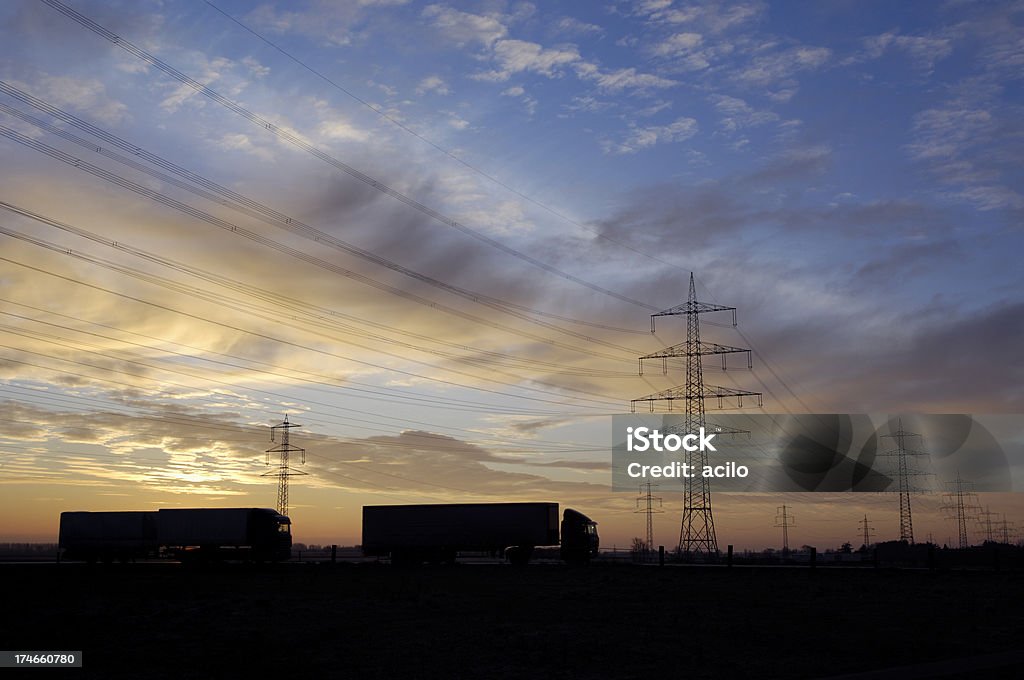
(243, 533)
(410, 534)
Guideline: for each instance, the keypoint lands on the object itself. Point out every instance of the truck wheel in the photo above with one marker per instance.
(406, 558)
(576, 558)
(519, 555)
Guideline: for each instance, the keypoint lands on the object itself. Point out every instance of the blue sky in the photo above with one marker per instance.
(848, 174)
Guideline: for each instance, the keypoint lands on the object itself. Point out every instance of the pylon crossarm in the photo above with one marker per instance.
(694, 308)
(703, 349)
(686, 349)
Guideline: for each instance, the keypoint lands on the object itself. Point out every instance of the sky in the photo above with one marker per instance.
(432, 234)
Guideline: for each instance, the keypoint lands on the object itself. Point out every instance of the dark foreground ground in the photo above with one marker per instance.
(491, 621)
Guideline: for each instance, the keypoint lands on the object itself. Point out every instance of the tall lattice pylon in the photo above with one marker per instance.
(650, 505)
(284, 469)
(868, 530)
(784, 520)
(906, 469)
(697, 538)
(986, 523)
(960, 500)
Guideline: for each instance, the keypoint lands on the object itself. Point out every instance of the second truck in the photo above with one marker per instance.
(410, 534)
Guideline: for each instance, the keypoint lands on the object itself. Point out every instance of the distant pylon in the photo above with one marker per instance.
(905, 469)
(867, 529)
(960, 501)
(284, 469)
(785, 520)
(985, 520)
(1004, 529)
(650, 506)
(697, 529)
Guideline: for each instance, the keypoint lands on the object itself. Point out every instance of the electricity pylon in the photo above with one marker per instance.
(905, 470)
(960, 501)
(697, 529)
(649, 505)
(785, 520)
(868, 531)
(284, 469)
(985, 520)
(1005, 529)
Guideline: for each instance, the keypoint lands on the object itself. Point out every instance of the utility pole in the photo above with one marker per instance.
(697, 537)
(650, 506)
(284, 469)
(868, 531)
(785, 520)
(905, 469)
(960, 501)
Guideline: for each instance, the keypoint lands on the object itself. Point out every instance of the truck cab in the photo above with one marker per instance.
(580, 540)
(271, 534)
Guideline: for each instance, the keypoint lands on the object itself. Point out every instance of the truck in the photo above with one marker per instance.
(234, 533)
(411, 534)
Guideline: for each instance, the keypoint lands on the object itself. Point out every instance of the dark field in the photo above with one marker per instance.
(371, 621)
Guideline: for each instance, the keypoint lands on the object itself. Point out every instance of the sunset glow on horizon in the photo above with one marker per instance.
(433, 234)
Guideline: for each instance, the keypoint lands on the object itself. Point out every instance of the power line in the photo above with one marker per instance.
(446, 152)
(237, 230)
(297, 141)
(231, 199)
(283, 341)
(315, 311)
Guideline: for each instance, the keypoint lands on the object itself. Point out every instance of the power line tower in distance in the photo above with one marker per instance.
(985, 521)
(785, 520)
(960, 500)
(906, 469)
(649, 505)
(284, 469)
(1005, 530)
(697, 538)
(867, 530)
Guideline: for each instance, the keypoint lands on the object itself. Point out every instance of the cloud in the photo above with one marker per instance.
(433, 84)
(715, 17)
(217, 72)
(518, 56)
(638, 137)
(257, 69)
(236, 141)
(678, 44)
(624, 79)
(518, 91)
(330, 23)
(924, 51)
(737, 114)
(797, 163)
(463, 27)
(784, 65)
(457, 121)
(86, 95)
(342, 130)
(969, 147)
(571, 26)
(909, 260)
